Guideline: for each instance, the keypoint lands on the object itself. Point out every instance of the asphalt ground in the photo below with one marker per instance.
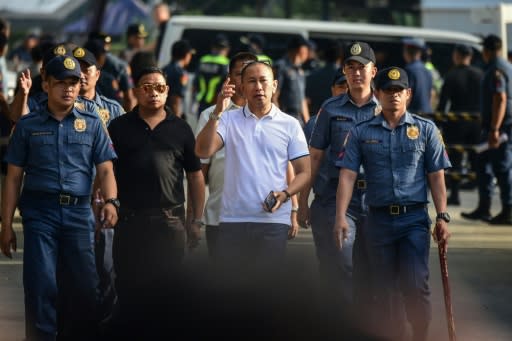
(479, 259)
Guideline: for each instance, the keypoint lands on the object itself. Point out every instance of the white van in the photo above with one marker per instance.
(385, 39)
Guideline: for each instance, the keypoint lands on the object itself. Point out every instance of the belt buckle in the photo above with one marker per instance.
(394, 209)
(64, 199)
(361, 184)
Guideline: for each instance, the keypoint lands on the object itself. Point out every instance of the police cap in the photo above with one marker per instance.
(391, 77)
(62, 67)
(136, 30)
(360, 52)
(84, 55)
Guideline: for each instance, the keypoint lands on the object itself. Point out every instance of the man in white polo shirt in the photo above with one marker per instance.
(259, 140)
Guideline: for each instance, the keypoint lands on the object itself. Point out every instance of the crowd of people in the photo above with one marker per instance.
(99, 151)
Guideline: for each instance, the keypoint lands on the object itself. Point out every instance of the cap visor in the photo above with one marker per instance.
(66, 74)
(358, 59)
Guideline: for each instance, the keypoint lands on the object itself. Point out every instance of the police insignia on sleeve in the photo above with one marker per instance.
(356, 49)
(69, 64)
(377, 110)
(413, 132)
(104, 114)
(80, 106)
(80, 125)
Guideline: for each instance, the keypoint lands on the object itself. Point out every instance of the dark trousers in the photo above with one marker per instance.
(59, 272)
(212, 241)
(498, 163)
(148, 252)
(399, 251)
(105, 269)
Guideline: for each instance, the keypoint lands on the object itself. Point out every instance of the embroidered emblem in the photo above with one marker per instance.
(80, 125)
(79, 53)
(355, 49)
(69, 64)
(104, 114)
(394, 74)
(59, 50)
(80, 106)
(413, 132)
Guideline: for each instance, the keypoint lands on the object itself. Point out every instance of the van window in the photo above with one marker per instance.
(275, 43)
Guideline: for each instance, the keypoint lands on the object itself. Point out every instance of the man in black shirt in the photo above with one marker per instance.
(461, 93)
(154, 149)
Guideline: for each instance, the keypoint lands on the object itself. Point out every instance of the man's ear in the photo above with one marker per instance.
(45, 85)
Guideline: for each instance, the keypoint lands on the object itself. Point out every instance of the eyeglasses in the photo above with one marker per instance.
(150, 87)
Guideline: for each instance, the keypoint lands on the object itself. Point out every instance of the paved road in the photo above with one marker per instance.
(479, 257)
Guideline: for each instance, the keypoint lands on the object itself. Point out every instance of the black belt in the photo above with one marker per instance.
(64, 199)
(176, 211)
(397, 209)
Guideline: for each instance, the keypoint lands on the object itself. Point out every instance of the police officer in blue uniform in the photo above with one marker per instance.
(420, 78)
(335, 118)
(496, 120)
(54, 151)
(402, 154)
(177, 75)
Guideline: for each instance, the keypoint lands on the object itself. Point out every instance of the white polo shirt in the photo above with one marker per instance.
(257, 152)
(215, 172)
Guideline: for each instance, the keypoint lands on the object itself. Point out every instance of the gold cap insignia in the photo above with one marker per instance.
(69, 64)
(59, 50)
(355, 49)
(394, 74)
(80, 125)
(413, 132)
(79, 53)
(104, 114)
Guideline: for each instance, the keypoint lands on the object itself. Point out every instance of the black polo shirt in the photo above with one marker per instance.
(150, 164)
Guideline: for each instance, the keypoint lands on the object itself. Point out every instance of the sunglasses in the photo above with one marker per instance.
(150, 87)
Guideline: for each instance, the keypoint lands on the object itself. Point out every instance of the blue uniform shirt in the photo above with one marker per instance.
(292, 86)
(177, 78)
(59, 156)
(497, 78)
(334, 120)
(420, 81)
(396, 162)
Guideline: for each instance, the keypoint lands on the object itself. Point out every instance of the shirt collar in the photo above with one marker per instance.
(347, 98)
(247, 112)
(406, 118)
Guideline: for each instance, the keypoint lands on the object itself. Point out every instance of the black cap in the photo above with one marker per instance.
(221, 41)
(103, 37)
(62, 67)
(392, 76)
(84, 55)
(360, 52)
(463, 49)
(96, 47)
(56, 50)
(492, 43)
(137, 30)
(296, 42)
(339, 78)
(181, 48)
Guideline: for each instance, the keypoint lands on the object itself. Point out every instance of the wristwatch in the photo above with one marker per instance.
(288, 195)
(115, 202)
(444, 216)
(214, 117)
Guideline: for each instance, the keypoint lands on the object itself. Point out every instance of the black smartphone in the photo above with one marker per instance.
(270, 201)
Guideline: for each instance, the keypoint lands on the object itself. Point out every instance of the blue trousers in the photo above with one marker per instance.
(335, 265)
(59, 272)
(398, 247)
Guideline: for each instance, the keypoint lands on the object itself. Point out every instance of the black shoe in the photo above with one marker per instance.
(453, 201)
(503, 218)
(477, 214)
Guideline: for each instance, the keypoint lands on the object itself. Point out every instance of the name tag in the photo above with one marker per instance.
(41, 133)
(372, 141)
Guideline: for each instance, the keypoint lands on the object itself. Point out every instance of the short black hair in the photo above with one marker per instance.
(492, 43)
(262, 62)
(242, 56)
(146, 71)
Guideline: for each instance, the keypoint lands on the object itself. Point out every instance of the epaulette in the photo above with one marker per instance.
(31, 114)
(112, 101)
(365, 121)
(421, 118)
